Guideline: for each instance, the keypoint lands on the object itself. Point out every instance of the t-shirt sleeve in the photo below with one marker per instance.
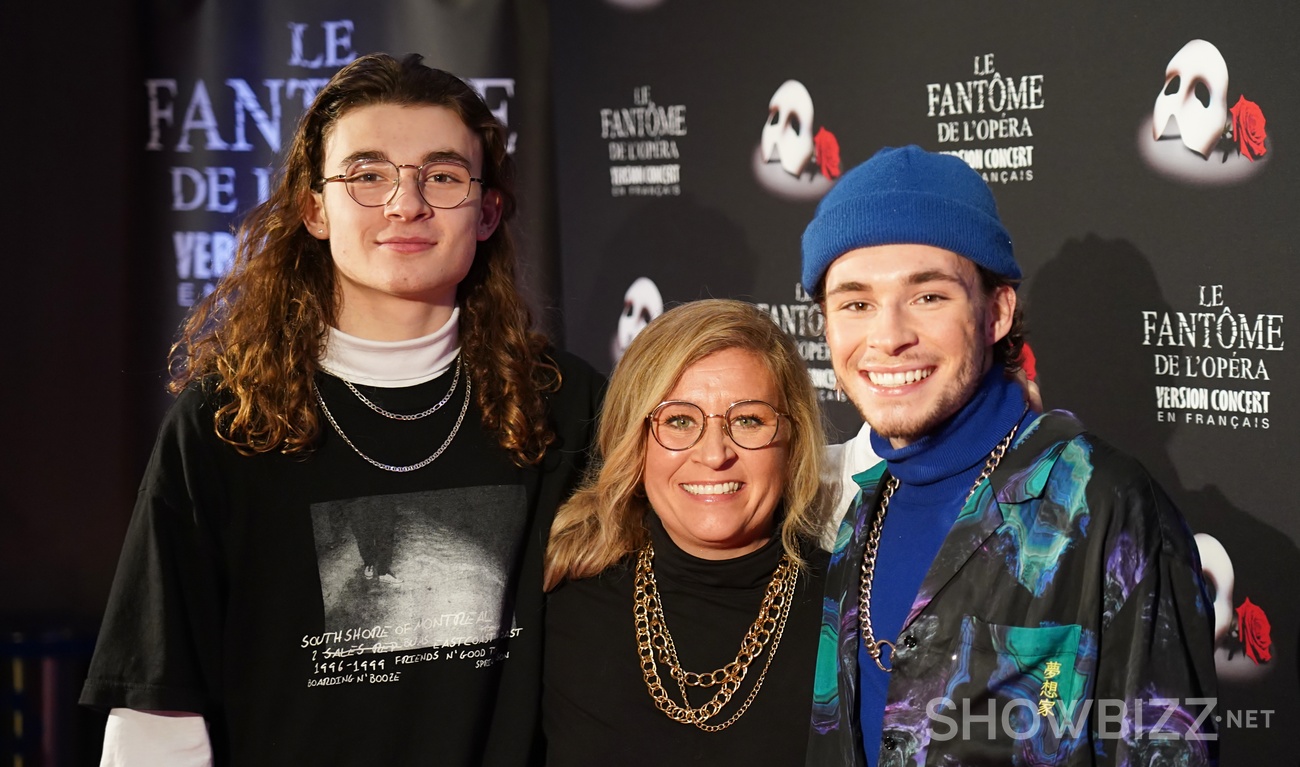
(158, 645)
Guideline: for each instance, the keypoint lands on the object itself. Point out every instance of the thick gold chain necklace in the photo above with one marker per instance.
(875, 647)
(653, 641)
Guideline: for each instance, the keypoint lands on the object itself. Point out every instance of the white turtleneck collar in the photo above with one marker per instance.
(392, 364)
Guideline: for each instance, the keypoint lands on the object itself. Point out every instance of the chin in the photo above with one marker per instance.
(905, 428)
(909, 423)
(715, 544)
(895, 425)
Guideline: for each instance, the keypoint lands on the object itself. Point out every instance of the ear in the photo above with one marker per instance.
(1002, 309)
(489, 214)
(315, 220)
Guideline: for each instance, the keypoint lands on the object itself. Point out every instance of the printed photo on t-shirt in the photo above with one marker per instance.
(418, 570)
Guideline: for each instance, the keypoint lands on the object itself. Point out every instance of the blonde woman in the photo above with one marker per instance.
(684, 575)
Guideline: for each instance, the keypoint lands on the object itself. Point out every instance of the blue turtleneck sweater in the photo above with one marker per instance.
(935, 473)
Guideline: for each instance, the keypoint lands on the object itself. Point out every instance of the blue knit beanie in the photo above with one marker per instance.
(908, 196)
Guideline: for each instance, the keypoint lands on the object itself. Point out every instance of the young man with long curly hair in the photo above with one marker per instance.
(335, 555)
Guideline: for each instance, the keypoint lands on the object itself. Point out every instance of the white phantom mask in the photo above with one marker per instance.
(1195, 96)
(641, 303)
(1217, 568)
(788, 132)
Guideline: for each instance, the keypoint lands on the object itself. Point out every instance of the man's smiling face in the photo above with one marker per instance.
(911, 333)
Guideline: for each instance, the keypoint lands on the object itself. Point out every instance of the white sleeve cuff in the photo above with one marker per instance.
(141, 739)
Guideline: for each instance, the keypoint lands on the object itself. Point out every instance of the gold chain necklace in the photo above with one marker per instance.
(653, 640)
(875, 647)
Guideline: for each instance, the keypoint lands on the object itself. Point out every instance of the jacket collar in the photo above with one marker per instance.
(1020, 478)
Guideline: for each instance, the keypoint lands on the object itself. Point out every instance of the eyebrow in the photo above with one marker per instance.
(441, 155)
(915, 278)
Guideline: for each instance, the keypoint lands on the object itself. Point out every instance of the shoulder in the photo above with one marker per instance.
(578, 379)
(853, 456)
(191, 416)
(1077, 469)
(1045, 432)
(1141, 509)
(842, 463)
(817, 559)
(1087, 458)
(575, 403)
(188, 457)
(579, 595)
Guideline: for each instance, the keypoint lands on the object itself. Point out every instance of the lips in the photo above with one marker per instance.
(406, 244)
(898, 378)
(715, 488)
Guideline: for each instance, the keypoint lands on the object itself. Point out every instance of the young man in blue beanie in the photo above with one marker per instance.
(1006, 588)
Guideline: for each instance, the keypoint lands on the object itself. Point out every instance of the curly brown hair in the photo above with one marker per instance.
(259, 335)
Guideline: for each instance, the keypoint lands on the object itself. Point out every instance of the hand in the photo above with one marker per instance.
(1032, 395)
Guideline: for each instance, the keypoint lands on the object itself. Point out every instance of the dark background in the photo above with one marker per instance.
(90, 299)
(72, 409)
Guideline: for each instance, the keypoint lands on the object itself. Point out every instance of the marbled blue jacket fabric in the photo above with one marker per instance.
(1063, 621)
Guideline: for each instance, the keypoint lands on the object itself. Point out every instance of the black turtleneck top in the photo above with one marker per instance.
(596, 708)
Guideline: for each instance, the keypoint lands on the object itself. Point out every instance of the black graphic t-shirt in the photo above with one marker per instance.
(321, 610)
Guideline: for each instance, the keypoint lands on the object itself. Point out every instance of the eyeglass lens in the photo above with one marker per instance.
(373, 183)
(679, 425)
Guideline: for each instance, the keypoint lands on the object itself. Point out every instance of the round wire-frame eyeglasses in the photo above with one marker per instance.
(751, 424)
(373, 183)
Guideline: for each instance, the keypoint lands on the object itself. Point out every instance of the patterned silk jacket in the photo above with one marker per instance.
(1063, 621)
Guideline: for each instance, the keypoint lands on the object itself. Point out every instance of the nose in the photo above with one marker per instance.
(891, 332)
(714, 449)
(407, 202)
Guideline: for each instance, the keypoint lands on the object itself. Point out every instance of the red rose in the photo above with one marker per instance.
(1248, 129)
(1254, 630)
(1029, 363)
(828, 152)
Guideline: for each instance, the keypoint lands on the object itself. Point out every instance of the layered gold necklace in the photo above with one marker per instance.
(655, 646)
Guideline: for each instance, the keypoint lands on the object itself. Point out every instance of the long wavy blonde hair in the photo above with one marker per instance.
(259, 335)
(604, 521)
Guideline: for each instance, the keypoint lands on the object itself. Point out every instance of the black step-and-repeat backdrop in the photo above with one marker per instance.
(1144, 160)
